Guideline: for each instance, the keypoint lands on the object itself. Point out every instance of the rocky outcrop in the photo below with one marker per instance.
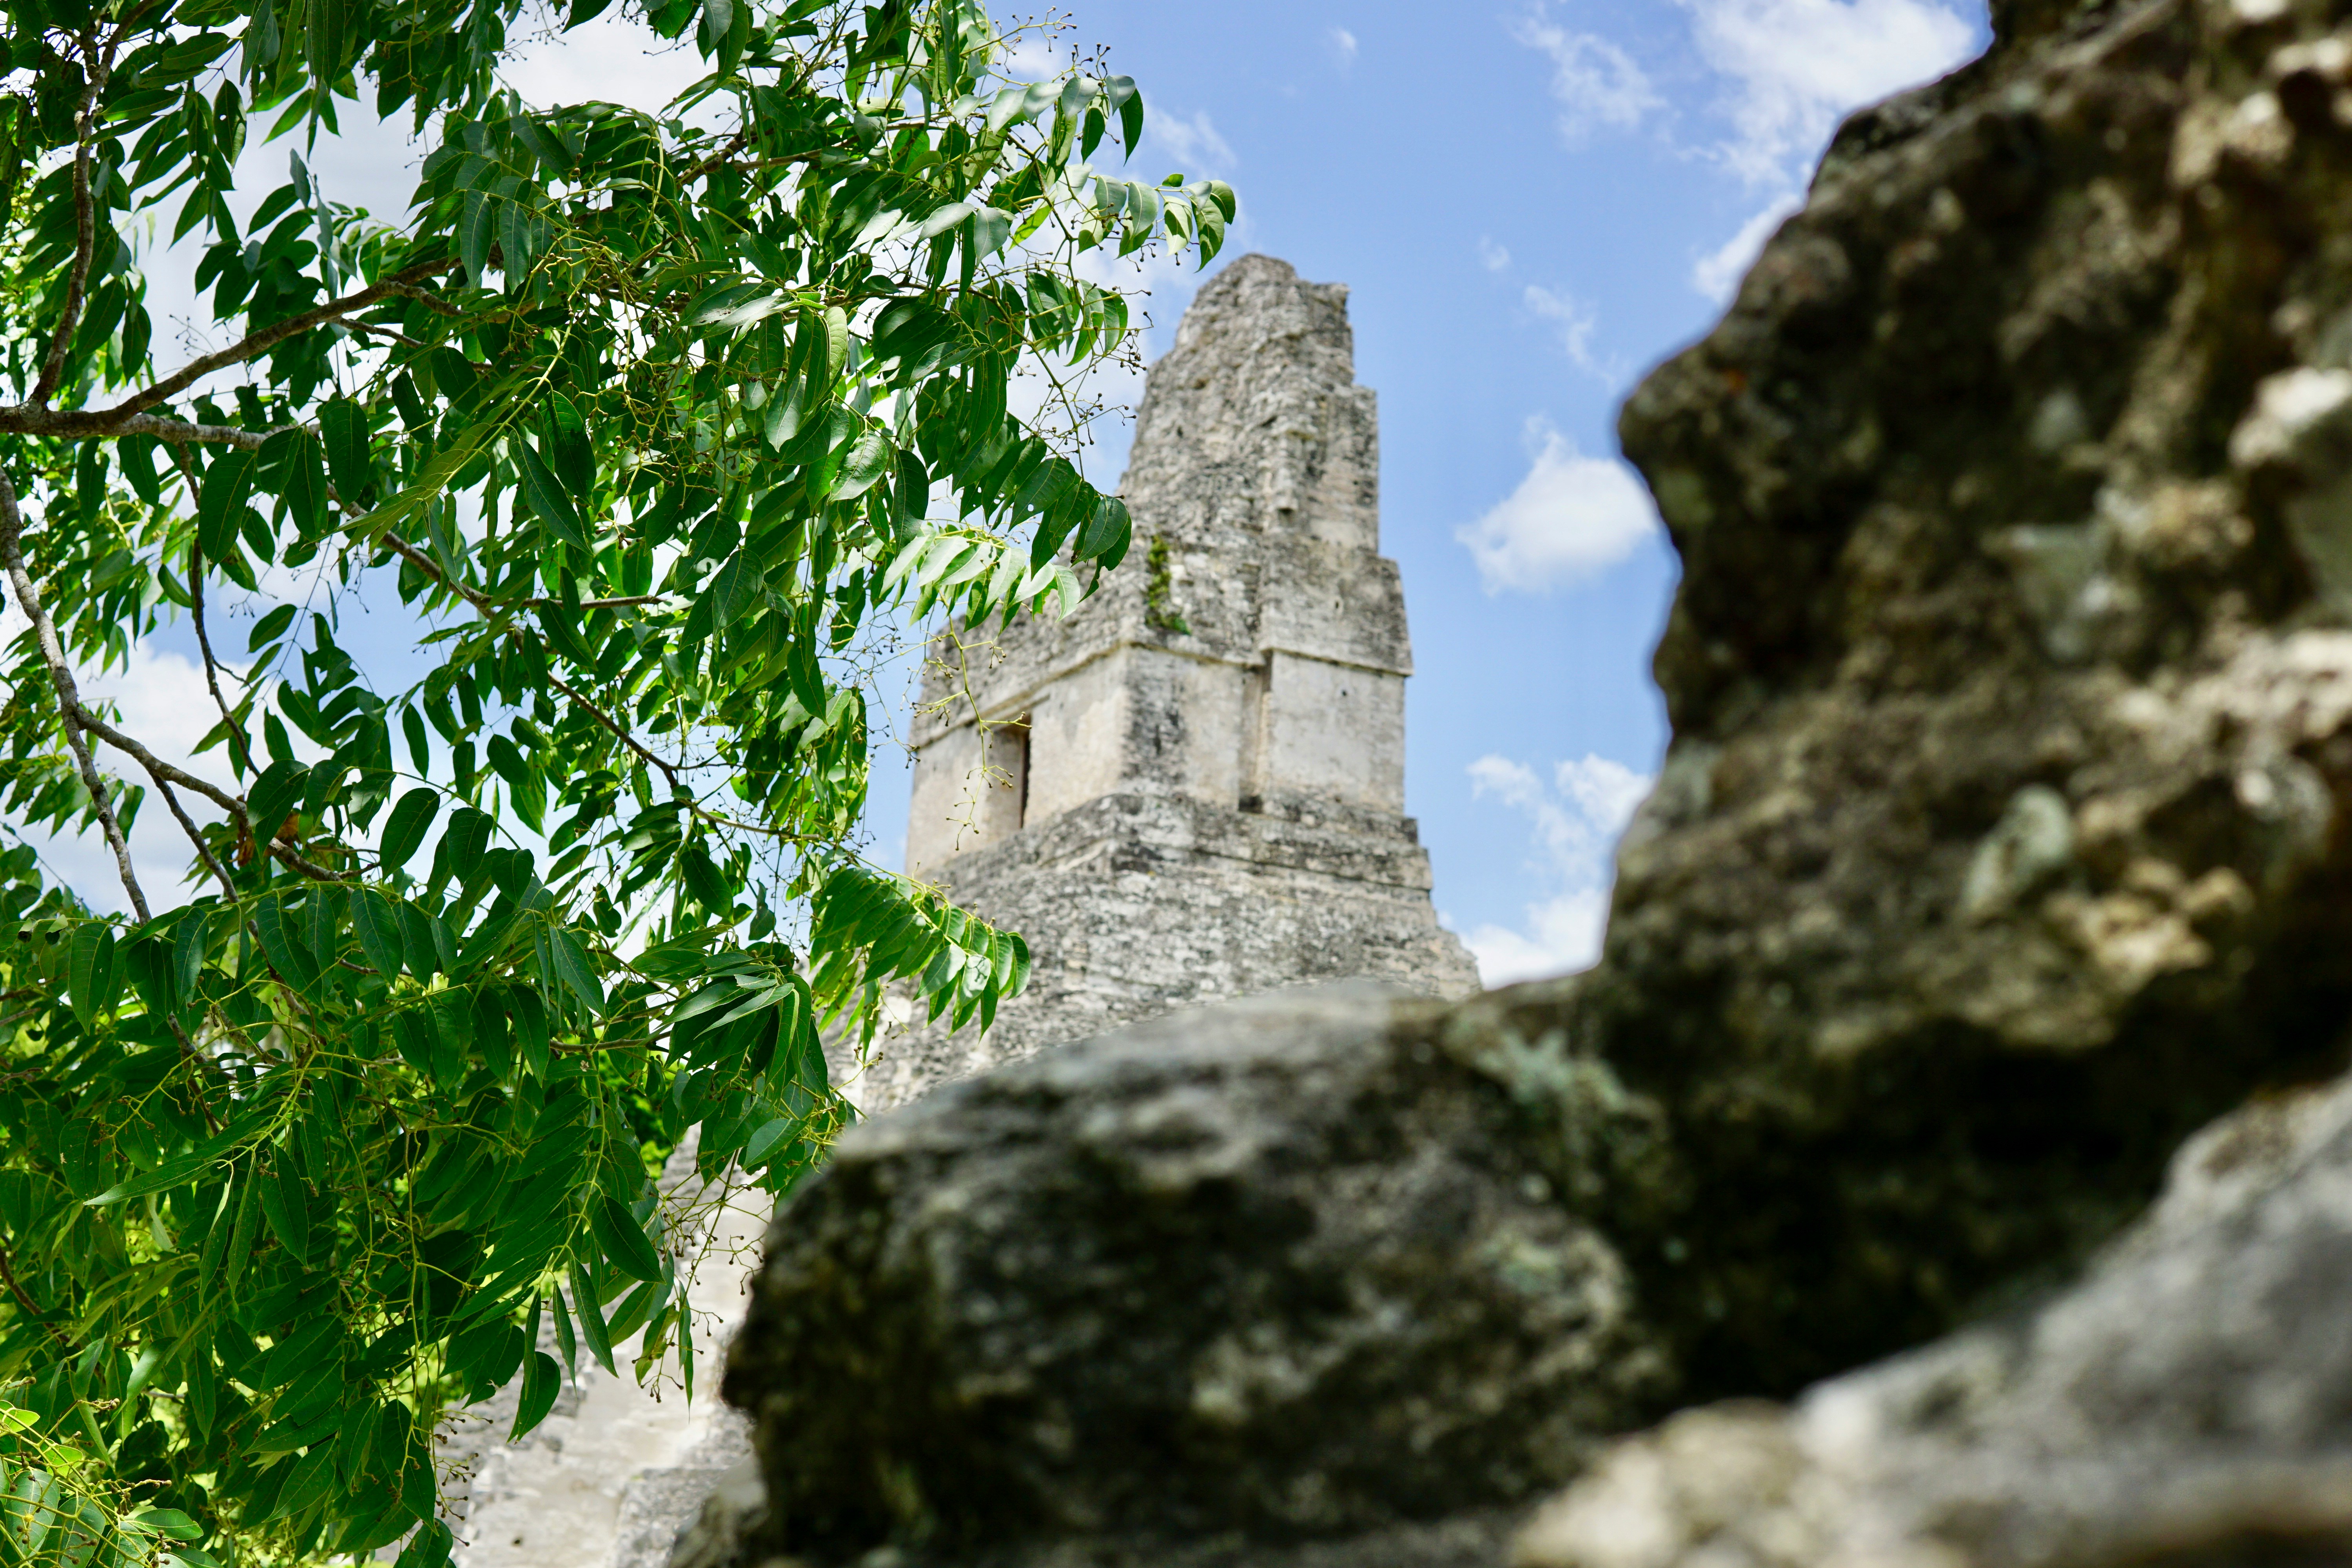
(2000, 843)
(2001, 847)
(1290, 1267)
(2184, 1404)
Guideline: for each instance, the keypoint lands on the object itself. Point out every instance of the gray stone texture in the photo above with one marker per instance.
(1288, 1267)
(2000, 843)
(2001, 846)
(2185, 1404)
(1192, 787)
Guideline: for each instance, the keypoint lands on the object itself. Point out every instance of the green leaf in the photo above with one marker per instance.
(430, 946)
(624, 1241)
(542, 1380)
(286, 955)
(592, 1319)
(734, 588)
(91, 971)
(404, 829)
(528, 790)
(570, 457)
(379, 931)
(343, 430)
(572, 968)
(287, 1206)
(564, 1339)
(228, 485)
(169, 1522)
(870, 458)
(474, 224)
(269, 629)
(274, 796)
(547, 498)
(306, 485)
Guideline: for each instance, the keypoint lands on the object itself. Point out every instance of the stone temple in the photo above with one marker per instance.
(1190, 790)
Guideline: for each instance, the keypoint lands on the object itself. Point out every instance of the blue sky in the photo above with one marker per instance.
(1533, 201)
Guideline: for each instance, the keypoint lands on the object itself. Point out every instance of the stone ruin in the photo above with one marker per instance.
(1948, 1163)
(1191, 788)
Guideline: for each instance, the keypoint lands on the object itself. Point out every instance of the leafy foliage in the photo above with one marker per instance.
(644, 419)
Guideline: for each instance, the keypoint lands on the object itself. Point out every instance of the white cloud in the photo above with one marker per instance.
(1033, 57)
(1577, 816)
(1718, 274)
(1563, 936)
(161, 699)
(1343, 47)
(1598, 84)
(1799, 66)
(1571, 516)
(1493, 257)
(1576, 321)
(612, 59)
(1194, 144)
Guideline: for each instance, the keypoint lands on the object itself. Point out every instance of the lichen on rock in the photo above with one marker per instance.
(1287, 1268)
(2002, 843)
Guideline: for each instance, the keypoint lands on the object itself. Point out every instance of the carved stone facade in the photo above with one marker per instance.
(1192, 788)
(1205, 799)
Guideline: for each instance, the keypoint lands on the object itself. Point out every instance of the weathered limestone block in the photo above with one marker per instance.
(1290, 1267)
(2184, 1404)
(1192, 787)
(2002, 842)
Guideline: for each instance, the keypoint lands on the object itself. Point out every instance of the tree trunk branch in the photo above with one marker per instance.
(94, 68)
(69, 708)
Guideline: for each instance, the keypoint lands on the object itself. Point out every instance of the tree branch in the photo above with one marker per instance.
(618, 733)
(163, 770)
(195, 837)
(95, 65)
(204, 644)
(86, 424)
(259, 342)
(69, 708)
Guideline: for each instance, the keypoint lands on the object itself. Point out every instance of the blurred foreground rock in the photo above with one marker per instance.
(2186, 1404)
(1291, 1268)
(2001, 846)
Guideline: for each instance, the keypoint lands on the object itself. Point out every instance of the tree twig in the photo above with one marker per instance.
(370, 327)
(95, 64)
(260, 341)
(196, 836)
(9, 1272)
(204, 644)
(86, 424)
(618, 733)
(69, 708)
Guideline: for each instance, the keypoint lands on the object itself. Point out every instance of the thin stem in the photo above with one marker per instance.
(69, 708)
(220, 797)
(9, 1272)
(259, 342)
(618, 733)
(211, 669)
(195, 837)
(95, 65)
